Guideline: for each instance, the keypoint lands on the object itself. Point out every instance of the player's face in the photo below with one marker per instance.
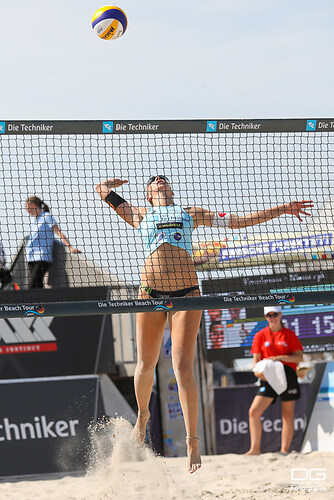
(158, 184)
(32, 209)
(274, 318)
(154, 178)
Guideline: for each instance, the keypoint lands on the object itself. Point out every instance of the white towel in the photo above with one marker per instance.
(274, 374)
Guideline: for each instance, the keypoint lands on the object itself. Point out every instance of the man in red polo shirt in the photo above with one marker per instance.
(277, 343)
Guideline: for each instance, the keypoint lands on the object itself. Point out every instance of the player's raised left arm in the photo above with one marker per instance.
(295, 208)
(208, 218)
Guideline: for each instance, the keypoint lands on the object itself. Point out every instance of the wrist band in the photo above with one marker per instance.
(113, 200)
(221, 220)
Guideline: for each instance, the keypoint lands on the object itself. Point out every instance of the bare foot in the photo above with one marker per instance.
(194, 457)
(253, 452)
(139, 430)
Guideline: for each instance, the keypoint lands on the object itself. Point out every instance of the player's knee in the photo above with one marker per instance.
(145, 367)
(254, 412)
(183, 370)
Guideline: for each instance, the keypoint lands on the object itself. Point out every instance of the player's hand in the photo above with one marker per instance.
(103, 189)
(297, 208)
(113, 183)
(275, 358)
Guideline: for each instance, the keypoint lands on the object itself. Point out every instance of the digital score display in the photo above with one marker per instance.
(230, 332)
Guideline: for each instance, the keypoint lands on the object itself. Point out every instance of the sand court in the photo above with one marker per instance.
(119, 470)
(222, 476)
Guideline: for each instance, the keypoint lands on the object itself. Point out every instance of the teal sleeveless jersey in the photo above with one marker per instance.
(170, 224)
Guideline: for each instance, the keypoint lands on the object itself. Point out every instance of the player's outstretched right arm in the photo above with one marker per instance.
(129, 213)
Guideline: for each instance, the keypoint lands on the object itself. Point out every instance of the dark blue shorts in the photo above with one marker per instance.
(292, 392)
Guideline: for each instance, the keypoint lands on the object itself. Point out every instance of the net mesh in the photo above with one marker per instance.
(239, 172)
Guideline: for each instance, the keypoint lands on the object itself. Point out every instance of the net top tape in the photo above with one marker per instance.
(102, 307)
(166, 126)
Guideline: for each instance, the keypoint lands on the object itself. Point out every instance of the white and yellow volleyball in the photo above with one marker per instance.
(109, 22)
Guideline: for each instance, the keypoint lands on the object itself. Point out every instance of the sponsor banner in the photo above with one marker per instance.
(285, 246)
(44, 424)
(19, 127)
(268, 282)
(39, 346)
(232, 423)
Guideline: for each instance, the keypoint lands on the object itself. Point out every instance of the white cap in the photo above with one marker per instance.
(272, 309)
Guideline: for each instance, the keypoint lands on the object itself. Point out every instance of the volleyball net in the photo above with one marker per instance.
(230, 166)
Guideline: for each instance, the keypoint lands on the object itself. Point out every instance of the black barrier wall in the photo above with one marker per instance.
(232, 425)
(44, 424)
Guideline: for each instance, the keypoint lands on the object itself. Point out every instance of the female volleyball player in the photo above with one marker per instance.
(278, 343)
(169, 271)
(39, 246)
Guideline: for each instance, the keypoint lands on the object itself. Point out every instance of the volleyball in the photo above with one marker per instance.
(109, 22)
